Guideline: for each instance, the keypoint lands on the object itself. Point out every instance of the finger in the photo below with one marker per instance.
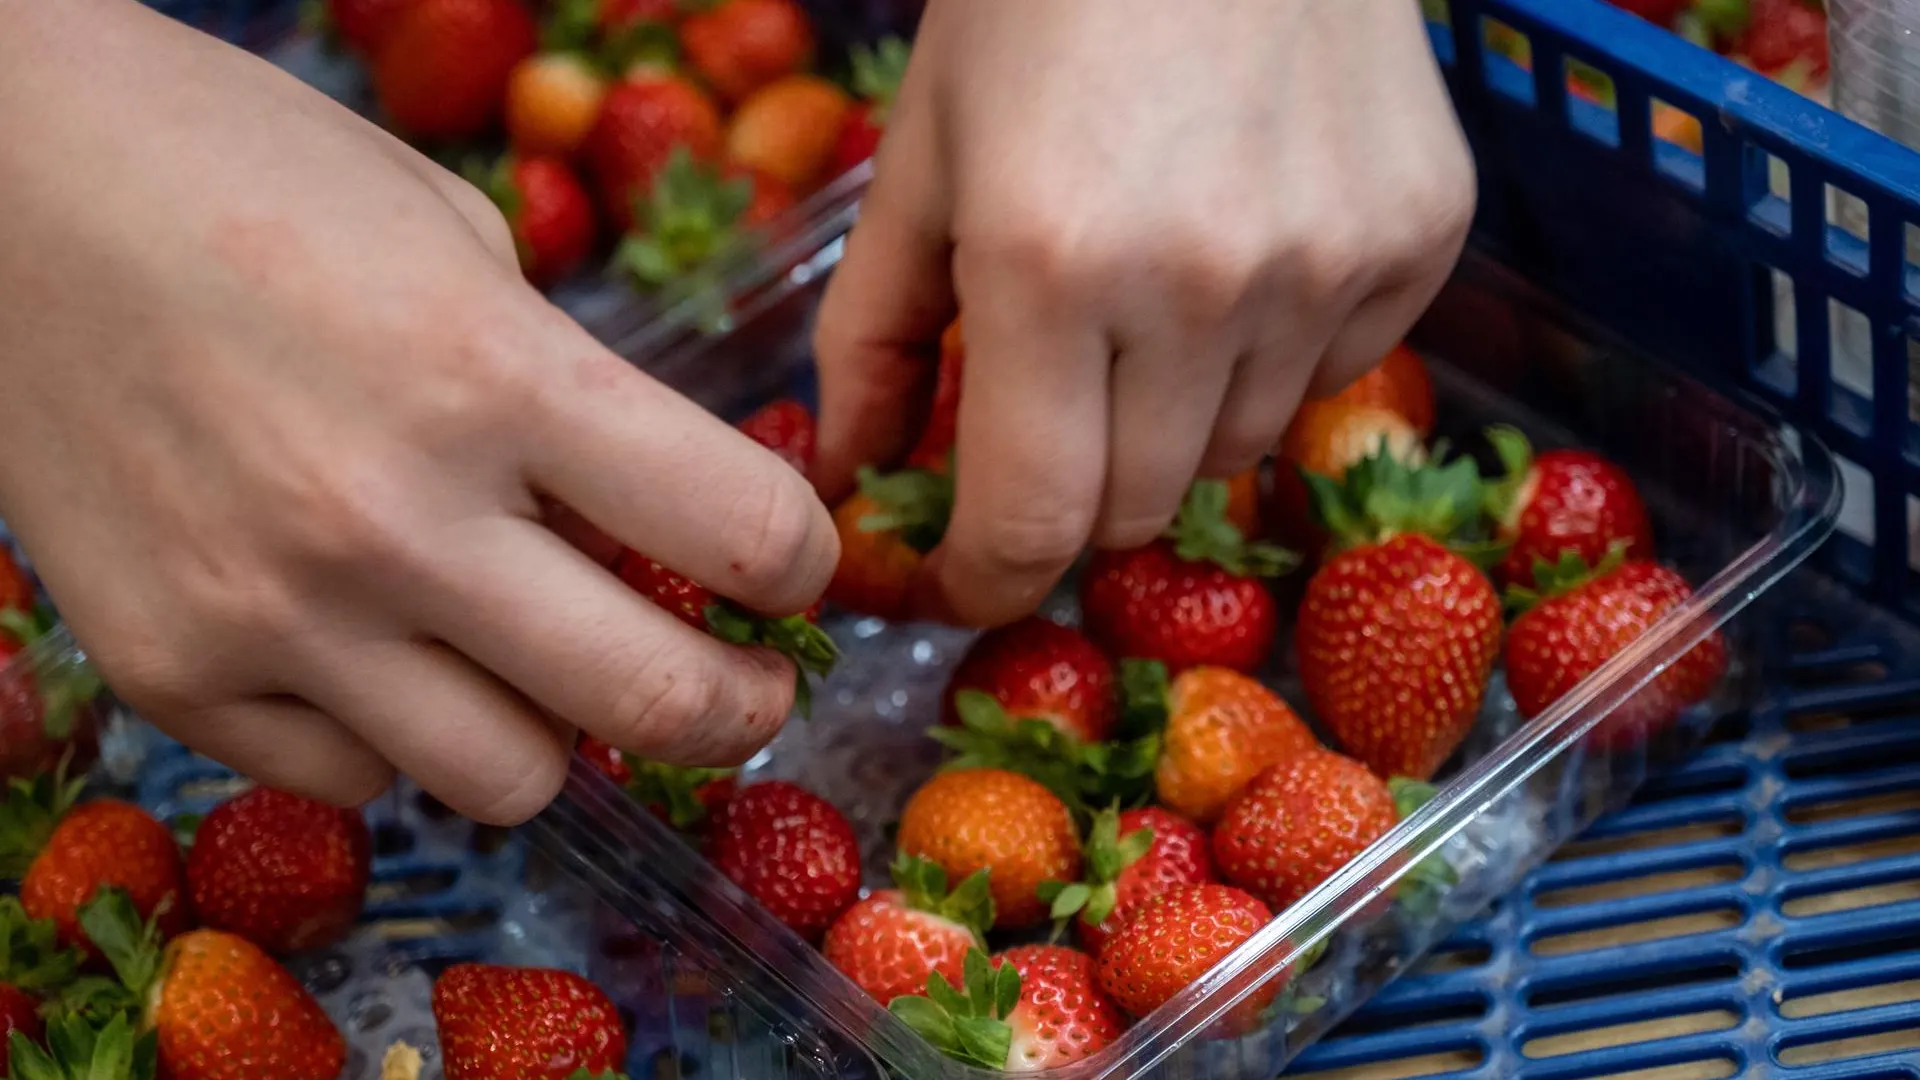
(877, 338)
(662, 475)
(1373, 329)
(595, 653)
(1165, 401)
(1031, 464)
(476, 744)
(290, 745)
(1266, 390)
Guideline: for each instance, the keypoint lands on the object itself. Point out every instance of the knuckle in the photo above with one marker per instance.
(1337, 255)
(347, 518)
(1026, 544)
(1041, 250)
(1211, 283)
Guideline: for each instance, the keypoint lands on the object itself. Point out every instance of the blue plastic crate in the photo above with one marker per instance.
(1783, 865)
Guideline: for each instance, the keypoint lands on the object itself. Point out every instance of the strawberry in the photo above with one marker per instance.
(19, 1011)
(934, 449)
(877, 73)
(1193, 597)
(47, 715)
(697, 224)
(1579, 619)
(33, 964)
(890, 942)
(1558, 502)
(965, 820)
(16, 589)
(886, 529)
(1658, 12)
(363, 25)
(739, 46)
(1399, 383)
(1785, 40)
(785, 427)
(509, 1023)
(1297, 823)
(797, 637)
(1177, 937)
(643, 119)
(787, 129)
(221, 1008)
(552, 102)
(442, 71)
(1397, 634)
(1031, 1008)
(1218, 729)
(285, 872)
(684, 796)
(609, 760)
(615, 16)
(792, 851)
(1130, 859)
(1329, 438)
(1243, 502)
(547, 209)
(63, 855)
(1037, 669)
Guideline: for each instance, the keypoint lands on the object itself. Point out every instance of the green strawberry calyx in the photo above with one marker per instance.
(915, 503)
(1382, 497)
(968, 1023)
(1082, 774)
(1202, 533)
(1502, 498)
(33, 806)
(877, 73)
(686, 234)
(795, 637)
(1428, 881)
(673, 788)
(924, 885)
(1555, 579)
(1107, 854)
(1144, 689)
(31, 956)
(78, 1050)
(131, 945)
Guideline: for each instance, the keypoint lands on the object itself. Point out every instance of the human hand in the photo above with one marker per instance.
(1165, 224)
(278, 421)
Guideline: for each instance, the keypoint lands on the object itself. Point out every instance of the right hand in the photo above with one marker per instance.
(278, 418)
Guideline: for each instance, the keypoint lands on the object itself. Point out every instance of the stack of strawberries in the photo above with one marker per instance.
(669, 132)
(1130, 779)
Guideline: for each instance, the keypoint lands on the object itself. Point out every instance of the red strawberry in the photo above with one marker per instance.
(1194, 597)
(364, 24)
(33, 963)
(1130, 859)
(1038, 669)
(1297, 823)
(792, 851)
(285, 872)
(970, 819)
(19, 1011)
(16, 591)
(934, 448)
(642, 120)
(1031, 1008)
(608, 759)
(1581, 619)
(1177, 937)
(1659, 12)
(508, 1023)
(442, 71)
(876, 81)
(685, 797)
(739, 46)
(548, 210)
(47, 715)
(785, 427)
(219, 1007)
(64, 855)
(1785, 40)
(1562, 501)
(890, 942)
(617, 15)
(797, 637)
(1397, 634)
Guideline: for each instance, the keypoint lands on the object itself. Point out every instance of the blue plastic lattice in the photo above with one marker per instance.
(1781, 869)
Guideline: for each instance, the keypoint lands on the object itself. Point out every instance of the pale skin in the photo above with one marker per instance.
(277, 411)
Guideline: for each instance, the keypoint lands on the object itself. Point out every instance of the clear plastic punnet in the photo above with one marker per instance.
(717, 986)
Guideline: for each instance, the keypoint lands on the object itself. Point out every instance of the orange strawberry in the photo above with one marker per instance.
(1579, 619)
(787, 129)
(886, 528)
(792, 851)
(1297, 823)
(1243, 502)
(1194, 597)
(1130, 859)
(1036, 668)
(1177, 937)
(1399, 383)
(507, 1023)
(1031, 1008)
(552, 102)
(1329, 438)
(1221, 729)
(1560, 502)
(965, 820)
(63, 855)
(285, 872)
(220, 1008)
(442, 70)
(1397, 634)
(890, 942)
(643, 120)
(738, 46)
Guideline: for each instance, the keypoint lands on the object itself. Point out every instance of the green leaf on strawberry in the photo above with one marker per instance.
(687, 234)
(1107, 854)
(28, 814)
(915, 503)
(1082, 774)
(969, 1023)
(1427, 883)
(1551, 579)
(924, 885)
(796, 637)
(1201, 532)
(673, 788)
(31, 957)
(1382, 497)
(877, 73)
(77, 1050)
(131, 945)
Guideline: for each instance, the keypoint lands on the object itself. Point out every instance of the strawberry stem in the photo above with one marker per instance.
(877, 73)
(1080, 773)
(33, 807)
(793, 636)
(76, 1050)
(673, 788)
(1202, 533)
(131, 945)
(1107, 854)
(1552, 579)
(915, 503)
(1382, 497)
(924, 885)
(970, 1024)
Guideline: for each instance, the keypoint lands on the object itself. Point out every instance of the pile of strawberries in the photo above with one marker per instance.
(1130, 781)
(667, 132)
